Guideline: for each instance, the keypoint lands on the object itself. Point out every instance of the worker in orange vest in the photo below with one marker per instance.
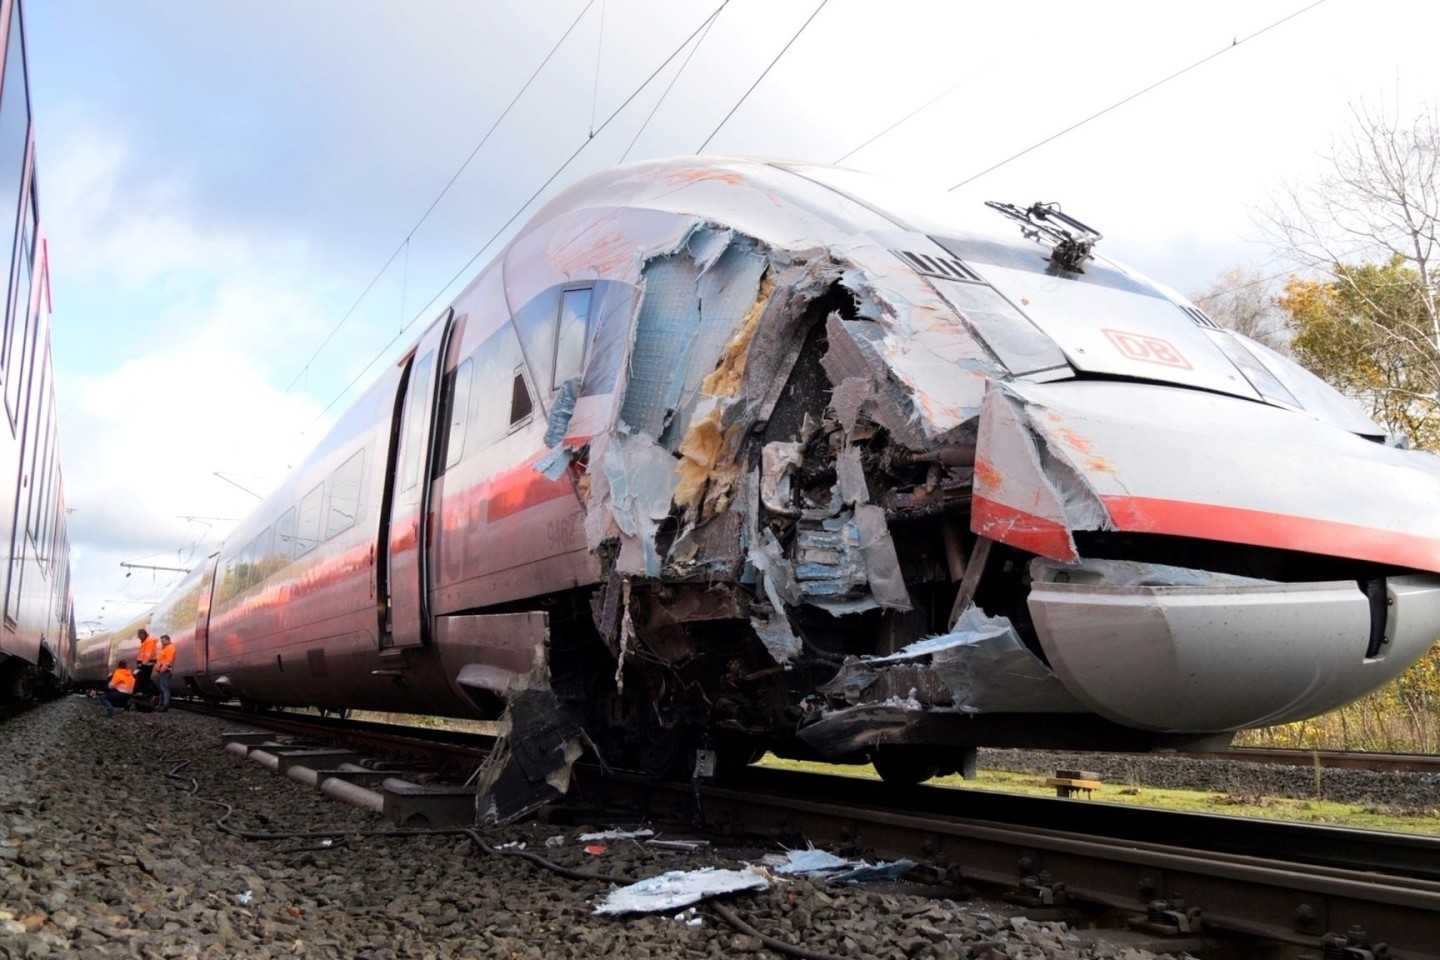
(164, 666)
(145, 662)
(121, 686)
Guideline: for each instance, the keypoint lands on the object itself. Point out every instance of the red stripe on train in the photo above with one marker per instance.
(1208, 521)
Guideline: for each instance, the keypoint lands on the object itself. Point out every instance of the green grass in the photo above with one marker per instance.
(1234, 805)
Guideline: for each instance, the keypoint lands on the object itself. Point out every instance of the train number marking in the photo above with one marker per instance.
(561, 532)
(1147, 349)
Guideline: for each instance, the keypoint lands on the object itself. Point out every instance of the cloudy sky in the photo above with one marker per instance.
(226, 185)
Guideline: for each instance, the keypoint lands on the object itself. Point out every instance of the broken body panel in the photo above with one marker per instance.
(793, 460)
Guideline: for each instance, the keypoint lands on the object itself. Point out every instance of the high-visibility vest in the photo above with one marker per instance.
(123, 680)
(148, 647)
(167, 658)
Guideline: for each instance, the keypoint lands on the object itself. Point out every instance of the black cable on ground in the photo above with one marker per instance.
(779, 946)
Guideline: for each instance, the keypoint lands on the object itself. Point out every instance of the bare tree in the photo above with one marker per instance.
(1244, 301)
(1378, 198)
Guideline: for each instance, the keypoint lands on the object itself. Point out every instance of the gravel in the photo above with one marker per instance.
(109, 848)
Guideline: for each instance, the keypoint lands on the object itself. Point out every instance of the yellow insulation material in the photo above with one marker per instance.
(725, 379)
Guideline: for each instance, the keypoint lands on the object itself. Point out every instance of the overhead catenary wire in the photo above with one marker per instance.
(920, 109)
(673, 80)
(763, 74)
(404, 244)
(599, 51)
(521, 209)
(1139, 93)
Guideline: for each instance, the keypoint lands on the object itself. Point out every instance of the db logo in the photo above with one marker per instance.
(1137, 346)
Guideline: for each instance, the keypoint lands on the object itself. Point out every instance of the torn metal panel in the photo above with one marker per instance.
(849, 398)
(850, 478)
(561, 410)
(773, 628)
(981, 666)
(739, 284)
(641, 834)
(530, 764)
(778, 463)
(822, 864)
(707, 243)
(1023, 496)
(854, 353)
(679, 888)
(882, 564)
(640, 484)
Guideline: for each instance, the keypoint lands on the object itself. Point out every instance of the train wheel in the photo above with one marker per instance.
(902, 766)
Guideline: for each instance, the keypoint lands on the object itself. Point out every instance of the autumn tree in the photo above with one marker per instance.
(1376, 202)
(1367, 330)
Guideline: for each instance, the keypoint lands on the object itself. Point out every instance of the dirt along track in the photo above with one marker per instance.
(109, 847)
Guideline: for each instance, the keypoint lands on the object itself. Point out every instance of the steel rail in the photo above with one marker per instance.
(1277, 897)
(1343, 759)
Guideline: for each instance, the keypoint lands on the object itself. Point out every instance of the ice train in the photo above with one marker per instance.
(764, 454)
(37, 630)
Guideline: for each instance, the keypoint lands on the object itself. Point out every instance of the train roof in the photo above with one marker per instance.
(786, 203)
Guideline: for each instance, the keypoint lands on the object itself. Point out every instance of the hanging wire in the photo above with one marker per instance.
(762, 75)
(520, 210)
(1120, 103)
(595, 87)
(444, 190)
(688, 57)
(404, 282)
(920, 109)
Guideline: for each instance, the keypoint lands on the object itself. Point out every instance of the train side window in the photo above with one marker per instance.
(245, 572)
(285, 549)
(264, 555)
(521, 406)
(14, 137)
(413, 436)
(307, 529)
(20, 321)
(457, 405)
(571, 334)
(345, 495)
(230, 582)
(38, 449)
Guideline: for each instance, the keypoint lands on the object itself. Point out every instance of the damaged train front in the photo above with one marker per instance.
(865, 501)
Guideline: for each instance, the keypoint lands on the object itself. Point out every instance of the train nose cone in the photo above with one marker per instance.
(1192, 659)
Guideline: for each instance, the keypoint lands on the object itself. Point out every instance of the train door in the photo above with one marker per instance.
(407, 528)
(201, 640)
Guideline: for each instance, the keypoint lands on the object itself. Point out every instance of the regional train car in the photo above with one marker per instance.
(742, 453)
(37, 632)
(97, 654)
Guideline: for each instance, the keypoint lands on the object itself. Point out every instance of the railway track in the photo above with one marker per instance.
(1178, 873)
(1344, 760)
